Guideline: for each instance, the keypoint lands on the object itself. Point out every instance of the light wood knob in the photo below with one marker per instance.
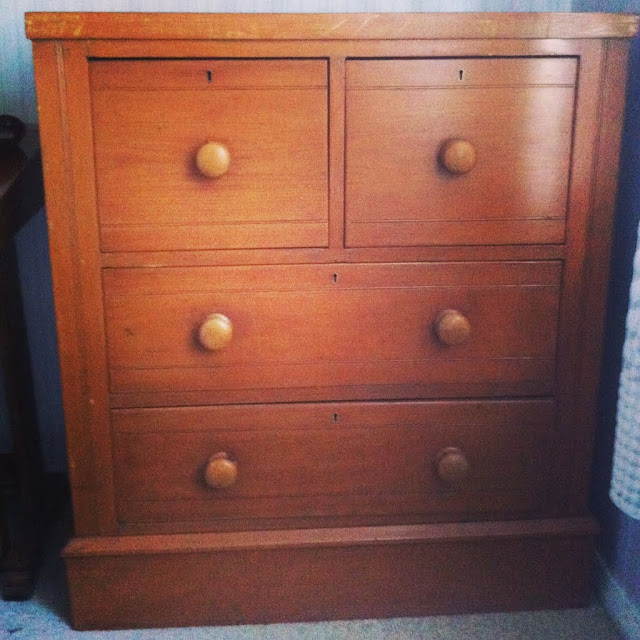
(452, 466)
(457, 156)
(215, 332)
(452, 327)
(221, 472)
(213, 159)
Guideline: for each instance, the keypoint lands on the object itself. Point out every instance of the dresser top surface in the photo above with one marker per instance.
(345, 26)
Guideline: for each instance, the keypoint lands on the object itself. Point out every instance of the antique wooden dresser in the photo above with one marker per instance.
(330, 294)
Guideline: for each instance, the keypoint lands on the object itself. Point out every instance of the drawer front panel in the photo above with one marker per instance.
(335, 460)
(327, 326)
(445, 152)
(269, 121)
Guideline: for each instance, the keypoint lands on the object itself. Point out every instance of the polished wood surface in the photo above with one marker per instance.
(406, 344)
(148, 26)
(430, 162)
(327, 537)
(208, 74)
(466, 568)
(461, 73)
(343, 460)
(69, 178)
(346, 325)
(154, 125)
(337, 49)
(598, 247)
(335, 254)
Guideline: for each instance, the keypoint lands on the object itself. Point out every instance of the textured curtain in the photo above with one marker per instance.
(625, 479)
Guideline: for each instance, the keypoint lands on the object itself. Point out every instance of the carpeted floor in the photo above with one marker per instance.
(45, 618)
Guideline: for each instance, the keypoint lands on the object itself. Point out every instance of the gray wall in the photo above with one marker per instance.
(614, 6)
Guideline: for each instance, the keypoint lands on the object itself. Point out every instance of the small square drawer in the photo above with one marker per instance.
(458, 151)
(284, 463)
(331, 332)
(210, 154)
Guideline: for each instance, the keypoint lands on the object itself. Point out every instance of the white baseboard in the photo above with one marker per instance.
(624, 611)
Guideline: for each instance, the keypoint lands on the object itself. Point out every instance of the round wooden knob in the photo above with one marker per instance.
(452, 466)
(215, 332)
(452, 327)
(221, 472)
(457, 156)
(213, 159)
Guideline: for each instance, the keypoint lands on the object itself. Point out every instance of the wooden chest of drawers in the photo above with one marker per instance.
(329, 293)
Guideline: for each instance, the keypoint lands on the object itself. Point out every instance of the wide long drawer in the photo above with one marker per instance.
(282, 463)
(333, 331)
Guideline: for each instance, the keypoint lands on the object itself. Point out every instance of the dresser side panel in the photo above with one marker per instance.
(596, 273)
(61, 83)
(591, 61)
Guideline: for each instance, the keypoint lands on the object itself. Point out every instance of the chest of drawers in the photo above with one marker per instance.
(329, 293)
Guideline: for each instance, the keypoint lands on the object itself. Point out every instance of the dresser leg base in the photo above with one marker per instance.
(201, 579)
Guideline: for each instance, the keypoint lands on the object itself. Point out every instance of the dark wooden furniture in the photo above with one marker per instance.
(21, 196)
(330, 294)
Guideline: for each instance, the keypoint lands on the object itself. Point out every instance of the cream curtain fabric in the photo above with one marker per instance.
(625, 479)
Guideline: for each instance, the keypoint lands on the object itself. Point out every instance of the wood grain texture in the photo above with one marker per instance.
(342, 460)
(327, 537)
(336, 151)
(321, 327)
(62, 85)
(301, 382)
(398, 193)
(595, 279)
(422, 572)
(171, 49)
(333, 243)
(210, 235)
(149, 128)
(208, 74)
(327, 26)
(471, 253)
(476, 72)
(578, 257)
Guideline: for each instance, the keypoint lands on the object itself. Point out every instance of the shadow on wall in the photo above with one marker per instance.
(32, 248)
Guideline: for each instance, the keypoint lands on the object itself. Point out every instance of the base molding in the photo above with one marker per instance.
(311, 575)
